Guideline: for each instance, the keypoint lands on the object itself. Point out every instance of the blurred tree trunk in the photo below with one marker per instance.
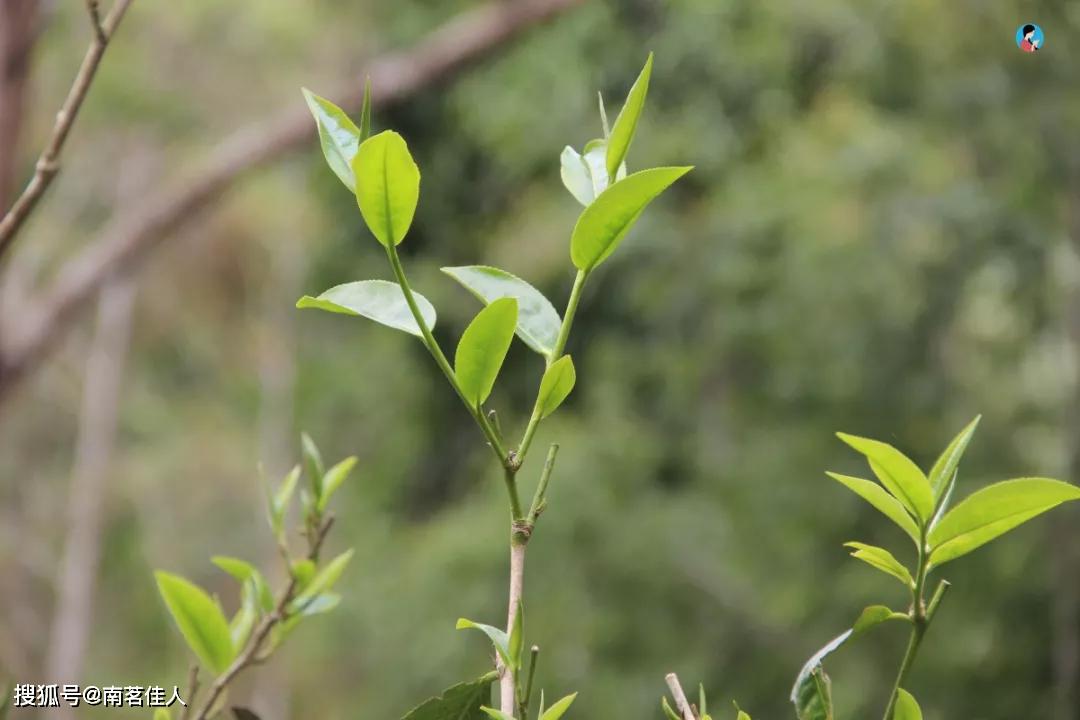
(93, 454)
(18, 21)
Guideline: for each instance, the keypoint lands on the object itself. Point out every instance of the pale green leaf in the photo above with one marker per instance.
(319, 604)
(338, 136)
(883, 560)
(498, 637)
(668, 711)
(557, 710)
(496, 714)
(873, 616)
(313, 463)
(482, 349)
(278, 503)
(605, 222)
(622, 133)
(555, 386)
(332, 480)
(538, 322)
(378, 300)
(325, 579)
(460, 702)
(885, 503)
(303, 571)
(944, 470)
(993, 511)
(245, 571)
(897, 473)
(199, 619)
(387, 186)
(906, 707)
(365, 113)
(576, 175)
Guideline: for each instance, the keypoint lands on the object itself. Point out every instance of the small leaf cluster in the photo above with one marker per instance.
(226, 646)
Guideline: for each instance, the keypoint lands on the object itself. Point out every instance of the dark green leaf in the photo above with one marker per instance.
(387, 186)
(992, 512)
(897, 473)
(884, 502)
(883, 560)
(811, 693)
(556, 385)
(538, 322)
(460, 702)
(606, 221)
(482, 349)
(622, 133)
(377, 300)
(944, 470)
(338, 136)
(199, 619)
(906, 707)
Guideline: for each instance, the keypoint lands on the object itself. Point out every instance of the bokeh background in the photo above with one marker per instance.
(880, 237)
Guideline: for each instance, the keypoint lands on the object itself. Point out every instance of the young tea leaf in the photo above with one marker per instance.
(605, 222)
(482, 349)
(332, 481)
(944, 470)
(278, 503)
(303, 571)
(883, 560)
(885, 503)
(668, 711)
(244, 621)
(245, 571)
(199, 619)
(897, 473)
(538, 322)
(387, 186)
(557, 710)
(496, 714)
(622, 133)
(498, 637)
(325, 579)
(556, 385)
(338, 136)
(576, 175)
(378, 300)
(313, 463)
(992, 512)
(811, 693)
(460, 702)
(873, 616)
(906, 707)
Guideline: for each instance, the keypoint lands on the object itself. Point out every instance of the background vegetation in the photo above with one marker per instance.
(880, 237)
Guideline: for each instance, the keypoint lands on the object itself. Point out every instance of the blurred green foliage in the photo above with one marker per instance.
(876, 239)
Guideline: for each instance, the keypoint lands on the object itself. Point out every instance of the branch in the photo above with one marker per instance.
(127, 240)
(48, 163)
(681, 703)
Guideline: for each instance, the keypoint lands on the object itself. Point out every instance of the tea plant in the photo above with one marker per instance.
(919, 504)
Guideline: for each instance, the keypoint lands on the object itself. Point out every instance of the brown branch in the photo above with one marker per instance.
(127, 240)
(18, 35)
(681, 703)
(48, 163)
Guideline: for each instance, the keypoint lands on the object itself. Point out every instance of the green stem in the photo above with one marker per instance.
(510, 478)
(442, 362)
(541, 488)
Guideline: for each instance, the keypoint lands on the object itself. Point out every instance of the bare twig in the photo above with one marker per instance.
(93, 7)
(681, 703)
(48, 163)
(19, 29)
(192, 691)
(129, 237)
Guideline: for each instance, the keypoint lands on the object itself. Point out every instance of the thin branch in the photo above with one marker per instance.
(133, 233)
(192, 691)
(93, 8)
(681, 703)
(48, 163)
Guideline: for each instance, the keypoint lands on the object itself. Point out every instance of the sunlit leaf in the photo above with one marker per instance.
(906, 707)
(622, 132)
(387, 186)
(245, 571)
(605, 222)
(496, 714)
(332, 480)
(883, 560)
(944, 470)
(993, 511)
(378, 300)
(199, 619)
(278, 502)
(557, 710)
(482, 349)
(556, 385)
(873, 616)
(460, 702)
(897, 473)
(338, 136)
(538, 322)
(885, 503)
(498, 637)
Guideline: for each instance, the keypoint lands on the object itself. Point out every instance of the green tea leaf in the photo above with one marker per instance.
(992, 512)
(812, 693)
(556, 385)
(496, 714)
(498, 637)
(460, 702)
(873, 616)
(703, 703)
(319, 604)
(338, 136)
(162, 714)
(516, 641)
(387, 186)
(944, 470)
(244, 621)
(576, 175)
(538, 322)
(245, 571)
(303, 571)
(365, 113)
(557, 710)
(668, 711)
(884, 502)
(313, 463)
(332, 480)
(278, 503)
(906, 707)
(378, 300)
(482, 349)
(605, 222)
(325, 579)
(883, 560)
(622, 133)
(199, 619)
(897, 473)
(742, 715)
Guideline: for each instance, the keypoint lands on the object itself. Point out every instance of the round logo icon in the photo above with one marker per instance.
(1029, 37)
